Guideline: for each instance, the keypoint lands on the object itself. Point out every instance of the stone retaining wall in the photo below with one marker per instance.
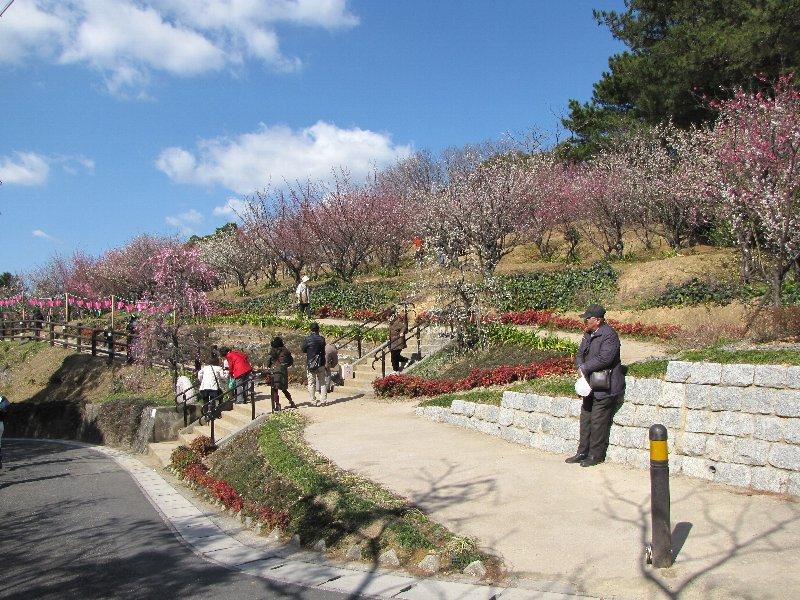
(732, 424)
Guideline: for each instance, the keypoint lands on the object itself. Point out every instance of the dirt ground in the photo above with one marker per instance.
(37, 371)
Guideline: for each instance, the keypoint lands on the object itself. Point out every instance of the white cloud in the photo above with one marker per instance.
(250, 161)
(184, 221)
(128, 40)
(31, 168)
(42, 235)
(24, 168)
(232, 208)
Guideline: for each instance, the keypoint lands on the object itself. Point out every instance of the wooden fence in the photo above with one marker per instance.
(75, 336)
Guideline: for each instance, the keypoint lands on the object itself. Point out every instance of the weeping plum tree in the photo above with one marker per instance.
(182, 278)
(756, 182)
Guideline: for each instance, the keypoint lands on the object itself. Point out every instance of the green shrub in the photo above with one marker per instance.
(564, 290)
(511, 335)
(202, 445)
(656, 368)
(694, 292)
(182, 457)
(354, 296)
(753, 357)
(555, 385)
(489, 396)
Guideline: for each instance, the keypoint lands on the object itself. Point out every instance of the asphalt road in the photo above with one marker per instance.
(73, 524)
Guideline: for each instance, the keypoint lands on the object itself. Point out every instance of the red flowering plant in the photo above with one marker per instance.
(272, 518)
(413, 386)
(546, 318)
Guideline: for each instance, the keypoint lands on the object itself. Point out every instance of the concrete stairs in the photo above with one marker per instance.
(432, 340)
(230, 422)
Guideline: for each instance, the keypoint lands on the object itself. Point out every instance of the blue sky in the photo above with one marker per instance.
(121, 117)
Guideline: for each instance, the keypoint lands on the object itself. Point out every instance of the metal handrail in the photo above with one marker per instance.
(375, 323)
(415, 331)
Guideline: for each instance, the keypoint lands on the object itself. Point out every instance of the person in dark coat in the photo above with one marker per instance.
(397, 341)
(599, 351)
(316, 373)
(279, 361)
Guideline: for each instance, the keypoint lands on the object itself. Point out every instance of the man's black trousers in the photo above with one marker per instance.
(398, 360)
(596, 417)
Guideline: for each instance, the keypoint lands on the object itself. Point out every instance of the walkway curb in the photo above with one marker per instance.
(286, 564)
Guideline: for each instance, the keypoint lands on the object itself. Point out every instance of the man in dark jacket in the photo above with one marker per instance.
(316, 373)
(397, 341)
(599, 351)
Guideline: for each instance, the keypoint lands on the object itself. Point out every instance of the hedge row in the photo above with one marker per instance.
(414, 386)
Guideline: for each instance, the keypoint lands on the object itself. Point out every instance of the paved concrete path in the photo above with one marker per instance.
(550, 520)
(77, 523)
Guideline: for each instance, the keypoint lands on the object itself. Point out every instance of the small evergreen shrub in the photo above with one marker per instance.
(566, 289)
(202, 445)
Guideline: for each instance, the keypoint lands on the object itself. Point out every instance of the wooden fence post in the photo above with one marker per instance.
(94, 341)
(78, 338)
(52, 327)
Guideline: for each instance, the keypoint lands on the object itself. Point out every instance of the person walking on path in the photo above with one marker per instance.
(303, 293)
(598, 355)
(316, 373)
(332, 367)
(239, 370)
(279, 361)
(397, 341)
(212, 381)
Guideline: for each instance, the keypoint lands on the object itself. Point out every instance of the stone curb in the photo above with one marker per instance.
(287, 564)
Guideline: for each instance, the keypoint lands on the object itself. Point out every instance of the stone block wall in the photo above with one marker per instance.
(732, 424)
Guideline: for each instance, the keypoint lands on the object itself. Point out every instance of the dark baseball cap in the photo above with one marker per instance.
(594, 310)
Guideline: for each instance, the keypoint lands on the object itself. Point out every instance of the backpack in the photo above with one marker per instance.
(288, 358)
(315, 362)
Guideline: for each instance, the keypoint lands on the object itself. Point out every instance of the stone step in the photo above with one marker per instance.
(162, 451)
(186, 438)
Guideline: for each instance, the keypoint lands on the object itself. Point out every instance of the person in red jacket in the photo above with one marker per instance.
(239, 371)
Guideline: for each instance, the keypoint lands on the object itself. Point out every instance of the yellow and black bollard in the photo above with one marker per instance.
(661, 548)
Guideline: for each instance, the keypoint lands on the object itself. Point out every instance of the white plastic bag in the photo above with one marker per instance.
(582, 386)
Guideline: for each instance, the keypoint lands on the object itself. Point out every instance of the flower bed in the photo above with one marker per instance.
(546, 318)
(413, 386)
(187, 464)
(299, 323)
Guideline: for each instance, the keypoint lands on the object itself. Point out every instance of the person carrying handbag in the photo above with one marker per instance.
(279, 361)
(598, 361)
(316, 373)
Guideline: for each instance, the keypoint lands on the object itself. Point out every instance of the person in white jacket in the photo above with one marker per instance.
(303, 293)
(212, 380)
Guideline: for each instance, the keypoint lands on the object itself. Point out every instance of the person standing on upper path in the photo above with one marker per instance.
(316, 373)
(598, 361)
(239, 370)
(398, 327)
(303, 294)
(279, 361)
